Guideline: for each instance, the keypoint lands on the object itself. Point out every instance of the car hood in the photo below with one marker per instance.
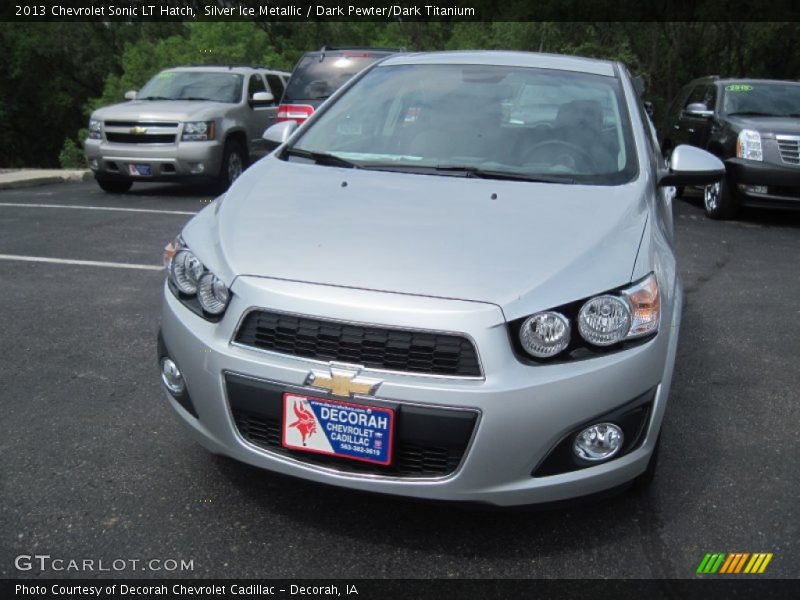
(767, 124)
(159, 110)
(502, 242)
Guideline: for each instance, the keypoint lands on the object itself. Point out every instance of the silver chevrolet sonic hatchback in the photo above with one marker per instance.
(455, 281)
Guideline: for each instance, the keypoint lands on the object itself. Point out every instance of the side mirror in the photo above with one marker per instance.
(262, 99)
(130, 95)
(280, 132)
(692, 166)
(698, 109)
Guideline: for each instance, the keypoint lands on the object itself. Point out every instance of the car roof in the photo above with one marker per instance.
(509, 59)
(728, 80)
(227, 69)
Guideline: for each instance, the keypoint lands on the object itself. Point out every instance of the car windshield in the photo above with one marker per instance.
(767, 99)
(478, 120)
(317, 77)
(193, 85)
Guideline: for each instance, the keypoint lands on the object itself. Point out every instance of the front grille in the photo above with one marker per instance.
(132, 138)
(369, 346)
(140, 124)
(790, 149)
(428, 442)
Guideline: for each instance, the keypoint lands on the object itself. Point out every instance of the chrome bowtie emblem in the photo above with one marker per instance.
(343, 380)
(138, 130)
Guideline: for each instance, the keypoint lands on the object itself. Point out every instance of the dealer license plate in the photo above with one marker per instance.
(139, 170)
(337, 428)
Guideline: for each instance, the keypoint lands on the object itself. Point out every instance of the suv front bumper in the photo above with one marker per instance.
(763, 184)
(167, 162)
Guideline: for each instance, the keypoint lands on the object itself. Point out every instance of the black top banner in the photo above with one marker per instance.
(400, 10)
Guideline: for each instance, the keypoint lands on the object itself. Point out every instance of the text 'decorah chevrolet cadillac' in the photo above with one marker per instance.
(455, 281)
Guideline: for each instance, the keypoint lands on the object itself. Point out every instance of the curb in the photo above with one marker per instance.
(30, 178)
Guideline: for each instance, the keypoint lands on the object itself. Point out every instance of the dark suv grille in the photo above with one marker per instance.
(790, 149)
(428, 442)
(373, 347)
(132, 138)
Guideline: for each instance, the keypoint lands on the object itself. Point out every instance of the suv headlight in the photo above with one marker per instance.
(192, 283)
(95, 129)
(622, 315)
(748, 145)
(198, 131)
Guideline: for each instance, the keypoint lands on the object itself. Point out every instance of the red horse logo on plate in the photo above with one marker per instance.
(306, 423)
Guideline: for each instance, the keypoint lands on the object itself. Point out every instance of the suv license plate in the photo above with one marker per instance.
(139, 170)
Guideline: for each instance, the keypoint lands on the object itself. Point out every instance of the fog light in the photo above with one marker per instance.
(196, 168)
(598, 442)
(94, 164)
(754, 189)
(171, 376)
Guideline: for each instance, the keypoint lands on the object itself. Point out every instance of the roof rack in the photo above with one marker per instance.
(230, 66)
(334, 48)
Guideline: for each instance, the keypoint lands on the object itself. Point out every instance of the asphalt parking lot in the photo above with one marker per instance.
(94, 465)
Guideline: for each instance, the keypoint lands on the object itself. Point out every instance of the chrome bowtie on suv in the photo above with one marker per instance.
(455, 281)
(185, 124)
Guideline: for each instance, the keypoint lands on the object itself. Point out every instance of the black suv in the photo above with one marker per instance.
(753, 125)
(318, 75)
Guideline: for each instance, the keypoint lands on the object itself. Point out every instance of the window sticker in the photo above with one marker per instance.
(738, 87)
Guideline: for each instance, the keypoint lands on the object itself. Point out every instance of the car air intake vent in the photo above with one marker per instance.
(790, 149)
(129, 138)
(383, 348)
(140, 124)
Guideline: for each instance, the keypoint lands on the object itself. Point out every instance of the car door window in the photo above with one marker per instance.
(699, 94)
(275, 86)
(256, 84)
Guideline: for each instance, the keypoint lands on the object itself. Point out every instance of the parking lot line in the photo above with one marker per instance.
(111, 208)
(85, 263)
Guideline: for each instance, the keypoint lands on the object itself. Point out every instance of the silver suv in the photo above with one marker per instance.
(186, 123)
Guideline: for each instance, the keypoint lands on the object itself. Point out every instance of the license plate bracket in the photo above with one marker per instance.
(357, 432)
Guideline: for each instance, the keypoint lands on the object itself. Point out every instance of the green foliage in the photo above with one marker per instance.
(71, 155)
(55, 74)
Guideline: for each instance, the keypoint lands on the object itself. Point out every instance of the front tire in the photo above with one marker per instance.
(112, 186)
(234, 161)
(718, 201)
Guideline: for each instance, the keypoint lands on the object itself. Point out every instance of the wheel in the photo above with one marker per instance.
(233, 163)
(114, 186)
(643, 481)
(718, 201)
(668, 159)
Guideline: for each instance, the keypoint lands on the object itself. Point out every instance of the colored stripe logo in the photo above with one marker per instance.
(734, 563)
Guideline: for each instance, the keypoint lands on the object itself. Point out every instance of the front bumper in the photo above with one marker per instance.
(178, 161)
(763, 184)
(521, 412)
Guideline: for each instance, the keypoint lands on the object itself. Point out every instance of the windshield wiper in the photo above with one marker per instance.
(155, 98)
(198, 98)
(751, 113)
(467, 171)
(510, 175)
(321, 158)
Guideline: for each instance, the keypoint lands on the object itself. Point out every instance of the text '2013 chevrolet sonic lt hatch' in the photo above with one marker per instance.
(455, 281)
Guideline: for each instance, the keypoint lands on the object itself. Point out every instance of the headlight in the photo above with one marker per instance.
(198, 131)
(95, 129)
(185, 271)
(748, 145)
(212, 294)
(604, 320)
(196, 287)
(545, 334)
